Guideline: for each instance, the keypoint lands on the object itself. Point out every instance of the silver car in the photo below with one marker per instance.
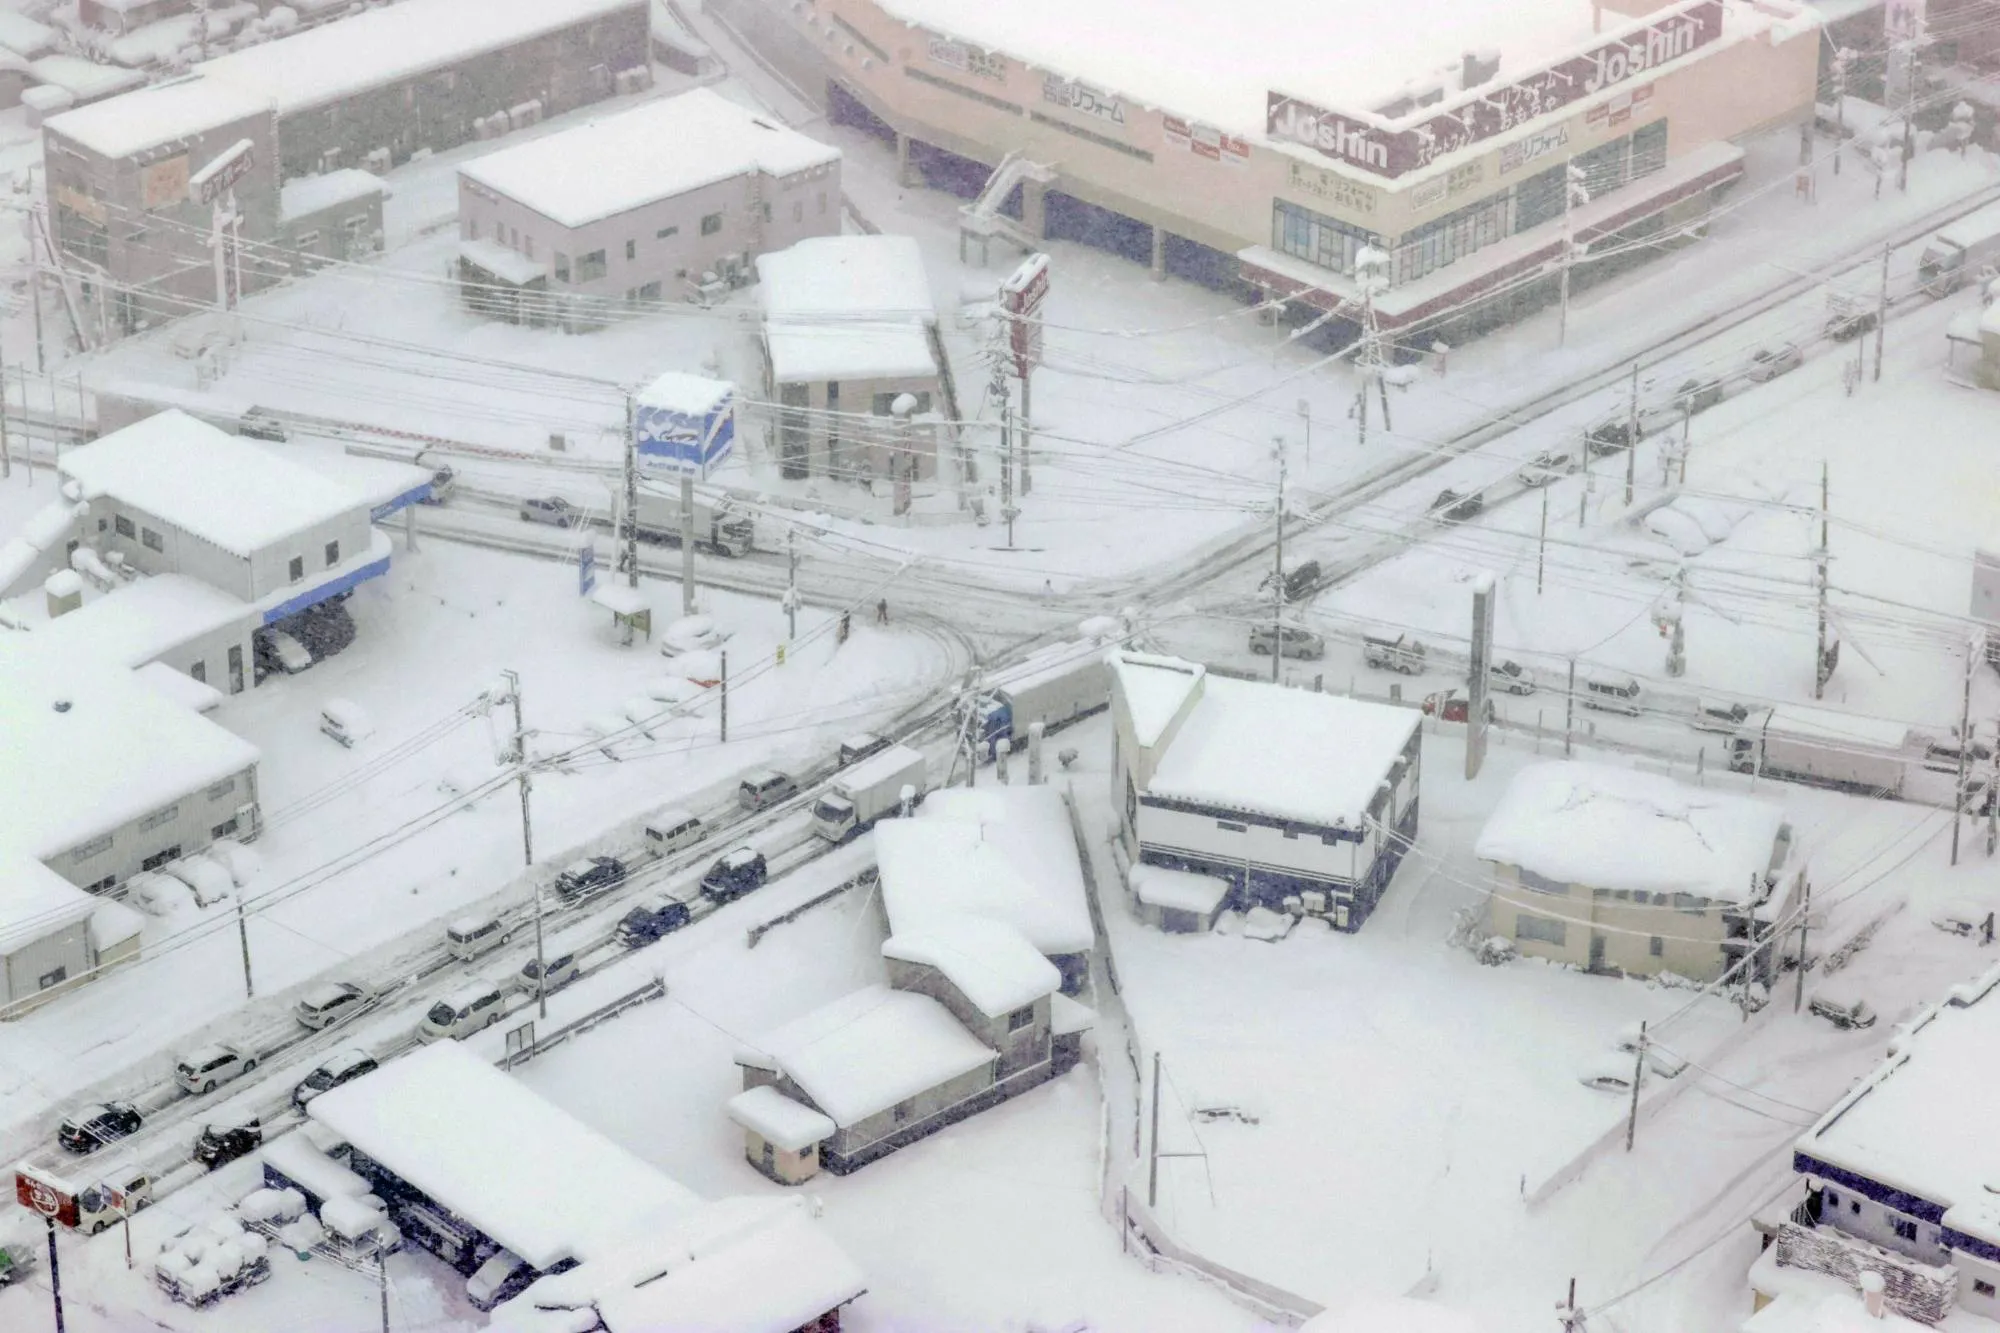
(325, 1005)
(1767, 363)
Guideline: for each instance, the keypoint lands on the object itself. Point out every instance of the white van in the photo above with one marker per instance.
(673, 831)
(345, 721)
(1612, 694)
(471, 937)
(463, 1012)
(500, 1278)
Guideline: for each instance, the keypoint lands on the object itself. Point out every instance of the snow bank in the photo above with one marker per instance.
(1179, 890)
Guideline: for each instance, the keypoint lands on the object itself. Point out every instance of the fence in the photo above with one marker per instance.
(762, 928)
(655, 989)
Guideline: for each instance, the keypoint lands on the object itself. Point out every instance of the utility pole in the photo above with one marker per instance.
(243, 939)
(1278, 569)
(632, 502)
(1152, 1165)
(725, 696)
(1542, 545)
(1026, 437)
(1687, 437)
(1631, 436)
(35, 291)
(1882, 315)
(791, 585)
(6, 445)
(55, 1264)
(1805, 927)
(1638, 1073)
(1839, 76)
(517, 753)
(1974, 650)
(382, 1283)
(1821, 672)
(1569, 710)
(1008, 509)
(687, 543)
(1589, 480)
(1306, 423)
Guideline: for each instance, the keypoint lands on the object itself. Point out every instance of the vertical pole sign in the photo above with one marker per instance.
(1021, 298)
(54, 1202)
(1478, 674)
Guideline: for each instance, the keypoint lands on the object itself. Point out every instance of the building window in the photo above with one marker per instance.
(1690, 903)
(528, 247)
(1541, 928)
(1854, 1206)
(798, 210)
(332, 554)
(1432, 245)
(161, 857)
(1020, 1018)
(166, 815)
(105, 885)
(55, 978)
(226, 829)
(711, 224)
(562, 267)
(95, 847)
(1656, 946)
(590, 267)
(298, 568)
(631, 249)
(1904, 1227)
(198, 671)
(1542, 884)
(665, 232)
(767, 212)
(218, 790)
(1317, 238)
(152, 540)
(822, 202)
(1227, 827)
(123, 526)
(1981, 1287)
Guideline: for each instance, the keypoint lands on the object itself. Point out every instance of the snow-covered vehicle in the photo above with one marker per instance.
(1608, 1073)
(1547, 467)
(202, 1265)
(1457, 506)
(718, 527)
(205, 1067)
(1287, 641)
(1054, 687)
(1956, 254)
(1842, 1008)
(1961, 916)
(868, 791)
(1402, 654)
(328, 1004)
(1767, 363)
(690, 634)
(1658, 1058)
(1509, 677)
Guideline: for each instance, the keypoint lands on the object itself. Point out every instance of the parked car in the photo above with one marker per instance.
(1842, 1008)
(1767, 363)
(223, 1141)
(595, 874)
(258, 424)
(559, 969)
(1658, 1058)
(734, 875)
(652, 919)
(1697, 395)
(1457, 506)
(673, 831)
(1720, 715)
(1608, 1073)
(94, 1126)
(1451, 706)
(1287, 641)
(274, 652)
(691, 634)
(463, 1012)
(553, 510)
(325, 1005)
(338, 1068)
(203, 1069)
(1508, 677)
(765, 788)
(501, 1278)
(1546, 467)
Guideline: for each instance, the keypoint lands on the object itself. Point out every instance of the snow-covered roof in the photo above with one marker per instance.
(207, 482)
(113, 923)
(531, 1177)
(778, 1119)
(298, 1159)
(1181, 890)
(25, 37)
(868, 278)
(1068, 1017)
(36, 902)
(1824, 724)
(678, 391)
(808, 353)
(1007, 854)
(745, 1265)
(137, 622)
(510, 266)
(1286, 754)
(315, 194)
(88, 749)
(178, 688)
(1617, 828)
(651, 152)
(1922, 1121)
(1832, 1312)
(863, 1053)
(990, 962)
(85, 80)
(1155, 689)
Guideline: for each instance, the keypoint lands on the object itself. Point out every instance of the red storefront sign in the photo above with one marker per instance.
(1483, 113)
(43, 1196)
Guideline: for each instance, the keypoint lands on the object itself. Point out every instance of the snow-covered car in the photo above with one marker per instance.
(323, 1006)
(274, 651)
(1697, 395)
(1608, 1073)
(1457, 506)
(1767, 363)
(1287, 641)
(672, 690)
(691, 634)
(1658, 1058)
(338, 1068)
(1509, 677)
(703, 667)
(1547, 467)
(1961, 916)
(206, 879)
(551, 509)
(207, 1066)
(1842, 1008)
(648, 715)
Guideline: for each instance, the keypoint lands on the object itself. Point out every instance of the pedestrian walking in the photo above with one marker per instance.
(846, 621)
(882, 611)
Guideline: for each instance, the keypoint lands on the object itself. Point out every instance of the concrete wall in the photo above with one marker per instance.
(271, 567)
(179, 552)
(22, 970)
(1617, 934)
(197, 814)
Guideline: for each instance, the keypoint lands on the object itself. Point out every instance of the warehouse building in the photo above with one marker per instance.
(672, 200)
(125, 175)
(1268, 150)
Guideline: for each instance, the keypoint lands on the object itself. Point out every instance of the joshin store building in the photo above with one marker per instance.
(1270, 143)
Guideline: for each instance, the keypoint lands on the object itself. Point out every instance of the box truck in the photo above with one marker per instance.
(718, 524)
(1826, 749)
(863, 794)
(1054, 687)
(1956, 254)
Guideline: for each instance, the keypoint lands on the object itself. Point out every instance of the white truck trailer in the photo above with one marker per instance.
(1826, 749)
(1955, 255)
(1054, 687)
(718, 524)
(868, 791)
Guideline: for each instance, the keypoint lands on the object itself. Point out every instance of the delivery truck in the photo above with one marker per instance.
(718, 524)
(1826, 749)
(1054, 687)
(871, 789)
(1955, 255)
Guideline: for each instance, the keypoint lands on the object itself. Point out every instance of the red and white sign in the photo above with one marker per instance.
(1205, 141)
(1021, 296)
(44, 1195)
(1363, 142)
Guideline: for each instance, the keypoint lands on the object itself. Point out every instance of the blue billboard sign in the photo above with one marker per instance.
(685, 425)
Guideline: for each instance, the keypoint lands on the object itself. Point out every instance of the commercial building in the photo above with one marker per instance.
(125, 175)
(850, 327)
(666, 201)
(1298, 800)
(1899, 1173)
(972, 1016)
(1620, 871)
(1271, 148)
